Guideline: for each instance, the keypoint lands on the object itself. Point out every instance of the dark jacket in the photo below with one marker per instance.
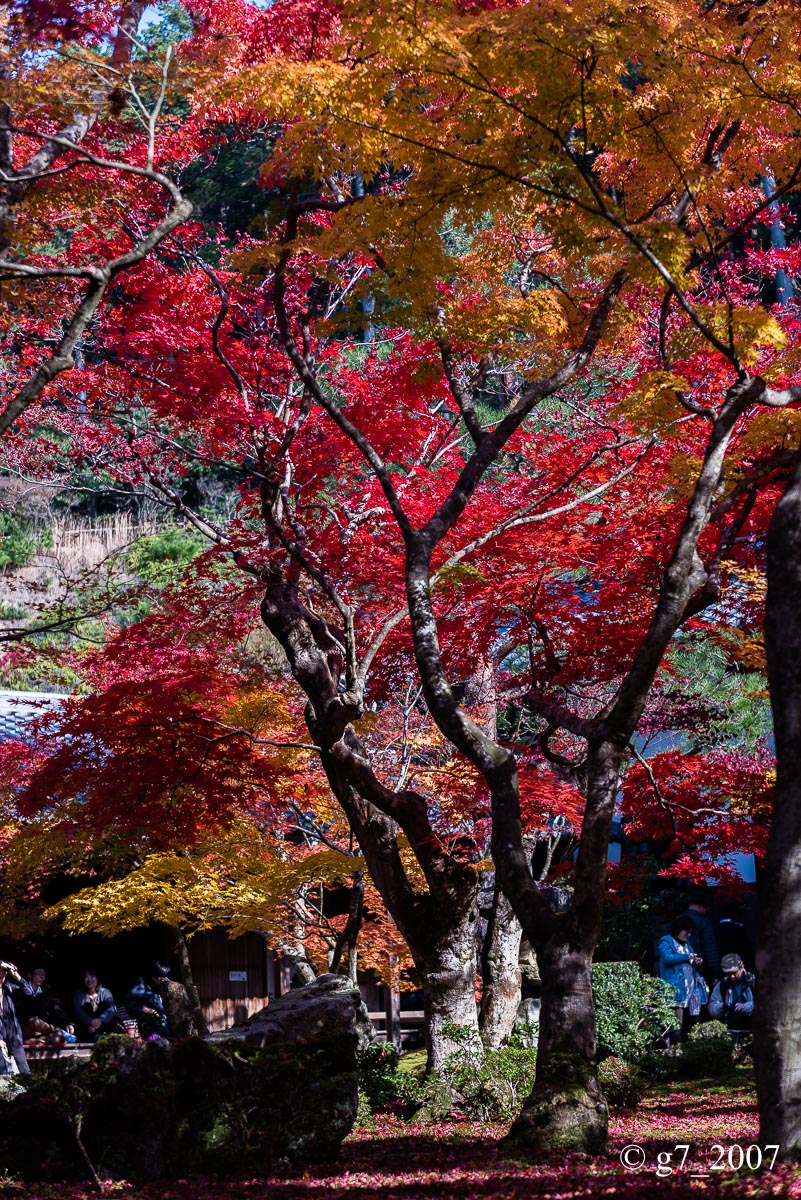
(106, 1011)
(733, 939)
(725, 995)
(42, 1003)
(704, 942)
(10, 1030)
(142, 996)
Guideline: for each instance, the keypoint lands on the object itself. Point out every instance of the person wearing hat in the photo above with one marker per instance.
(679, 966)
(732, 999)
(145, 1003)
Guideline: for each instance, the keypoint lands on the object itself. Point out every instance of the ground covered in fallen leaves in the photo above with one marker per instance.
(683, 1140)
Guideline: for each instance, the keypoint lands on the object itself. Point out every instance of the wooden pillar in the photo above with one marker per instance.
(392, 1007)
(271, 973)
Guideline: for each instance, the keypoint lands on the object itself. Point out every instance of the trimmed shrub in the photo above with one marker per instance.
(709, 1050)
(631, 1010)
(622, 1083)
(380, 1082)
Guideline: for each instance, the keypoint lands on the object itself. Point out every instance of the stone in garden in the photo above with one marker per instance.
(329, 1007)
(280, 1090)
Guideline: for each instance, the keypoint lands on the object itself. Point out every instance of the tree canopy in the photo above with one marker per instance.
(479, 318)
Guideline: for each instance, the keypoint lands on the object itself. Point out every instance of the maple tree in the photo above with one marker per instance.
(69, 72)
(503, 381)
(218, 819)
(620, 186)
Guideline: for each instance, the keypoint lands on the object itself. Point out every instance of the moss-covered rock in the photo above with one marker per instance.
(160, 1111)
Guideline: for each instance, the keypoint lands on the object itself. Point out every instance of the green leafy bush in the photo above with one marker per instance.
(364, 1112)
(631, 1010)
(380, 1082)
(485, 1086)
(709, 1050)
(622, 1083)
(489, 1085)
(159, 558)
(17, 544)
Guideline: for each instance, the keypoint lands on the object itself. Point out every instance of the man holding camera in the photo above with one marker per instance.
(732, 999)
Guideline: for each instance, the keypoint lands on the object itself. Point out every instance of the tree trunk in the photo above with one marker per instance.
(299, 967)
(188, 979)
(500, 996)
(448, 972)
(566, 1110)
(439, 925)
(777, 1019)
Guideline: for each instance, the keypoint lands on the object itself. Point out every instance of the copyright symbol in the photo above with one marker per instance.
(632, 1157)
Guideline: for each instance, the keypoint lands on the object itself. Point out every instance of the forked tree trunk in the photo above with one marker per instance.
(500, 996)
(777, 1020)
(439, 925)
(566, 1109)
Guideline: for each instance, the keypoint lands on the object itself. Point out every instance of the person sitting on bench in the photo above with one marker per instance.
(144, 1001)
(39, 1011)
(95, 1010)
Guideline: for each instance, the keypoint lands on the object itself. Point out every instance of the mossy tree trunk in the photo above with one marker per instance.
(566, 1110)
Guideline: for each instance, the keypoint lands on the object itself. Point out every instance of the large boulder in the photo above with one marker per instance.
(281, 1090)
(329, 1007)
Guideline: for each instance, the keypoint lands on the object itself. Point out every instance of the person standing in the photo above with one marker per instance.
(733, 936)
(678, 966)
(703, 940)
(12, 1050)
